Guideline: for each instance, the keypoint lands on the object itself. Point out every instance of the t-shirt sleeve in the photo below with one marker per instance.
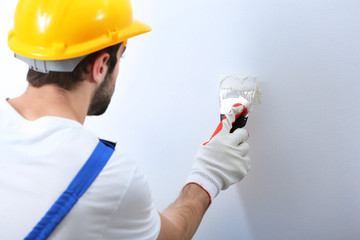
(135, 217)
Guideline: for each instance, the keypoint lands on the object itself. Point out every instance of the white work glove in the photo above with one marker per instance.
(223, 160)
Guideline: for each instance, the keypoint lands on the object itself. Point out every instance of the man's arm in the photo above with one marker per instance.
(219, 163)
(182, 218)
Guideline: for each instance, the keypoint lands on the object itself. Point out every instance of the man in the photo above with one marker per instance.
(73, 48)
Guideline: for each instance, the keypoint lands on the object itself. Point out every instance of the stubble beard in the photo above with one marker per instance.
(102, 97)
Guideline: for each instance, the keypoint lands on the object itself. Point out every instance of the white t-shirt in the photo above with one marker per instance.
(38, 161)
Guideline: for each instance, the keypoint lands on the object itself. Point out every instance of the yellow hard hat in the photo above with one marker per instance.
(65, 29)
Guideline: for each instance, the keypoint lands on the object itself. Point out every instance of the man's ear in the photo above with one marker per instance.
(100, 67)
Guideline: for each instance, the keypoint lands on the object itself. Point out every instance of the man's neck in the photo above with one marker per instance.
(50, 100)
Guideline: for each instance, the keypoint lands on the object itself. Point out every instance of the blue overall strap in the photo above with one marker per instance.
(75, 190)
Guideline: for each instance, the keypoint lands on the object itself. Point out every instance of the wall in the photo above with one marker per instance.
(304, 137)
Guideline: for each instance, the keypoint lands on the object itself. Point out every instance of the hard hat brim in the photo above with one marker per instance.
(60, 50)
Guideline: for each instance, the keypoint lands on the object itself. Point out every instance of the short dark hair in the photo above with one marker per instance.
(69, 80)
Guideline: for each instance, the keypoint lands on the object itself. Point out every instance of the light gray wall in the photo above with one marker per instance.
(304, 137)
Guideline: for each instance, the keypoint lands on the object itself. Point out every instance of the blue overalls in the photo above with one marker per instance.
(75, 190)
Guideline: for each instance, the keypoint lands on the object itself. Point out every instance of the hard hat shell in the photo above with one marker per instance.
(64, 29)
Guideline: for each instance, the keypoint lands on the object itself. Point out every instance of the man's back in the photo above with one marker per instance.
(39, 160)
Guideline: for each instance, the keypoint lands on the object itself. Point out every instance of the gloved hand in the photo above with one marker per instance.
(223, 160)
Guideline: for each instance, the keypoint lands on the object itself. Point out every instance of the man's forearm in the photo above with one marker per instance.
(181, 219)
(219, 163)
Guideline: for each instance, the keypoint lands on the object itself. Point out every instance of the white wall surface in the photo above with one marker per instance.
(305, 137)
